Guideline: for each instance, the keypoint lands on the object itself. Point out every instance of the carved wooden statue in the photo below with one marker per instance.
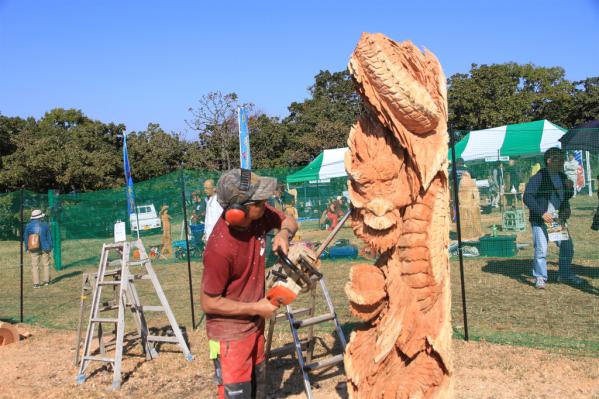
(397, 168)
(469, 196)
(167, 244)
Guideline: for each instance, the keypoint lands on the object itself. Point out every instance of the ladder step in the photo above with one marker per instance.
(109, 283)
(108, 307)
(287, 348)
(329, 361)
(138, 262)
(313, 320)
(103, 320)
(161, 338)
(99, 359)
(113, 272)
(153, 308)
(297, 312)
(116, 262)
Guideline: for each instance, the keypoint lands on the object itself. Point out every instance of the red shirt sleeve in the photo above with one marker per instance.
(216, 275)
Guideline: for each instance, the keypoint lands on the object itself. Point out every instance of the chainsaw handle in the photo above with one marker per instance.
(293, 267)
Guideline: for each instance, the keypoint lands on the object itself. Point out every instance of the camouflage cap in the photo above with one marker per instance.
(228, 189)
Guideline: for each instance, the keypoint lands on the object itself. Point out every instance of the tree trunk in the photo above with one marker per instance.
(397, 167)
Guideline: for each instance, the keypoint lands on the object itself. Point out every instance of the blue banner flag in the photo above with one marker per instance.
(128, 179)
(580, 178)
(244, 140)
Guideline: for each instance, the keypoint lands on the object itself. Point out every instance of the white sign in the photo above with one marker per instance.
(495, 159)
(120, 234)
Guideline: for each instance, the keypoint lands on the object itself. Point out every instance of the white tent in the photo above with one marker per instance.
(326, 165)
(521, 139)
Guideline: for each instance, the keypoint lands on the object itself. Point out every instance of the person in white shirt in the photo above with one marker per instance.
(213, 209)
(571, 170)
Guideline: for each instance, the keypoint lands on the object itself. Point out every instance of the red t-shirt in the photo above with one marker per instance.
(234, 269)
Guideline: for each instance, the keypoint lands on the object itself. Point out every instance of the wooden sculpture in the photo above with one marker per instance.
(167, 244)
(397, 168)
(469, 196)
(8, 334)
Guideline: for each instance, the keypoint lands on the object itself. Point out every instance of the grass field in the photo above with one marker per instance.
(502, 304)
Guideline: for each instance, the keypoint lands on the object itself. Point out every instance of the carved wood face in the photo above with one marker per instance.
(375, 173)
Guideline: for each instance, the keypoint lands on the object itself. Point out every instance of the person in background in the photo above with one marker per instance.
(493, 189)
(233, 282)
(213, 210)
(595, 225)
(460, 168)
(534, 169)
(571, 170)
(546, 192)
(38, 242)
(499, 178)
(198, 210)
(332, 214)
(276, 201)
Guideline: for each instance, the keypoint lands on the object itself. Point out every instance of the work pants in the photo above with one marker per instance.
(36, 257)
(539, 264)
(242, 364)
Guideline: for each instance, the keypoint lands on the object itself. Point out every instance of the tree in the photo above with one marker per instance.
(499, 94)
(215, 120)
(324, 120)
(64, 150)
(269, 139)
(9, 128)
(154, 152)
(585, 101)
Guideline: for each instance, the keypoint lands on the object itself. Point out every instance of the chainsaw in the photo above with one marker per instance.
(286, 279)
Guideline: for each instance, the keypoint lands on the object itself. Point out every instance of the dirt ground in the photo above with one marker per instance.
(42, 366)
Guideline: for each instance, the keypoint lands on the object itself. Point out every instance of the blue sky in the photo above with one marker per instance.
(136, 62)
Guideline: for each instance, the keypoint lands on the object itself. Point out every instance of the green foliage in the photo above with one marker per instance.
(585, 101)
(324, 120)
(499, 94)
(154, 152)
(64, 150)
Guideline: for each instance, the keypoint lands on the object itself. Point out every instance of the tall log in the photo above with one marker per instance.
(472, 228)
(398, 187)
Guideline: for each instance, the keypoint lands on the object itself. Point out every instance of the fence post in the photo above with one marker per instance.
(193, 318)
(21, 236)
(54, 204)
(456, 204)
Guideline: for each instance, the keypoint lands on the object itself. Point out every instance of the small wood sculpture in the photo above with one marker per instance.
(8, 334)
(397, 168)
(469, 197)
(167, 245)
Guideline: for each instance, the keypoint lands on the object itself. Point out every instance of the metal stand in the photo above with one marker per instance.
(122, 280)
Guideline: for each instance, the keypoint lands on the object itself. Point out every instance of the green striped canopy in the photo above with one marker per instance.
(521, 139)
(326, 165)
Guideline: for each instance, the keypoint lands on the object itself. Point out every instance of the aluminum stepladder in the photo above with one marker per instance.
(295, 323)
(87, 287)
(122, 279)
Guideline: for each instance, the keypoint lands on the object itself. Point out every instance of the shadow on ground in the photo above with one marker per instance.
(520, 270)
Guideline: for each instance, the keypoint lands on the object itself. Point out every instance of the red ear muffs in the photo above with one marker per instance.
(236, 214)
